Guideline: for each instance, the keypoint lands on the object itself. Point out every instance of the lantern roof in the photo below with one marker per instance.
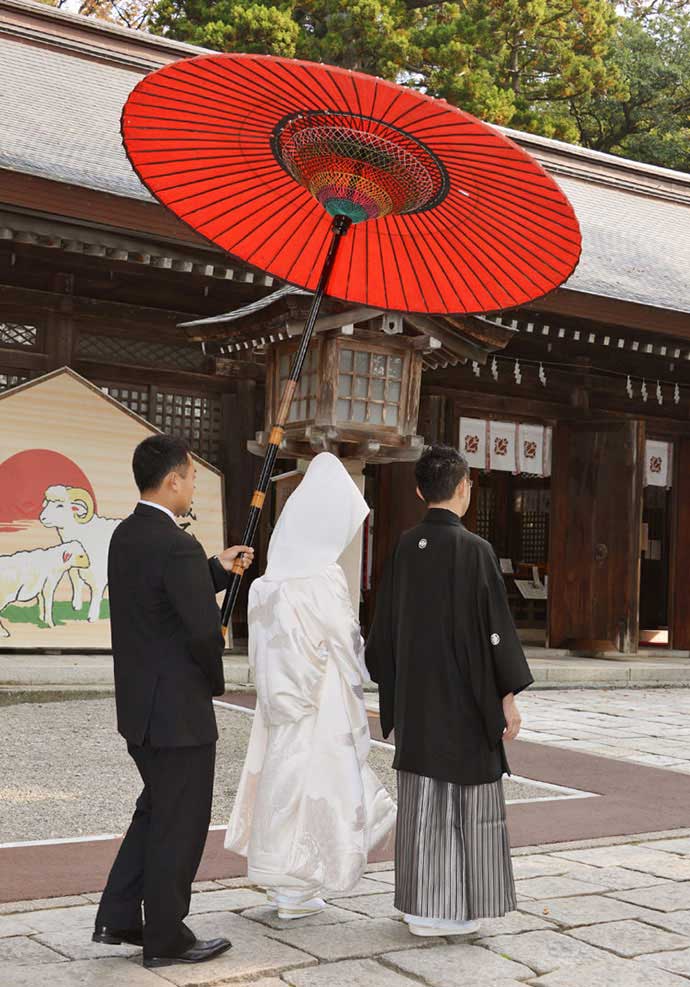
(444, 340)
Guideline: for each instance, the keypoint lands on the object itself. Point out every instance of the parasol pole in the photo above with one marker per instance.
(341, 224)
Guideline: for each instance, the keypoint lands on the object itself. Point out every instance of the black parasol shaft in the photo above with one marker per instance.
(341, 225)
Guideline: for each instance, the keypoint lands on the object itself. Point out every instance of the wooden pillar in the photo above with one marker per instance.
(679, 593)
(470, 519)
(397, 506)
(62, 335)
(241, 469)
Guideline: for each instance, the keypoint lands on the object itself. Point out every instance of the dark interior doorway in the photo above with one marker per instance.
(512, 513)
(655, 566)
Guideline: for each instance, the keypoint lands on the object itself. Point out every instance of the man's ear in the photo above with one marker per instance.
(419, 494)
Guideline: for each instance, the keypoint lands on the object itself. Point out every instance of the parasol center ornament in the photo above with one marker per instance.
(357, 166)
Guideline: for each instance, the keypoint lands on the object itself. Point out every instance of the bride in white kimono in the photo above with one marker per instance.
(309, 808)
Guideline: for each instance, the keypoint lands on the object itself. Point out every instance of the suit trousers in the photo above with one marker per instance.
(162, 848)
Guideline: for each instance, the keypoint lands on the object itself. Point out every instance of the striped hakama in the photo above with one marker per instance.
(452, 852)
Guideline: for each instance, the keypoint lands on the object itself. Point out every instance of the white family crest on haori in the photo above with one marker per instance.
(309, 808)
(25, 576)
(71, 511)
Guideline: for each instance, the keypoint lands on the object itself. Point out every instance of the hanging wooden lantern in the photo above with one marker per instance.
(358, 397)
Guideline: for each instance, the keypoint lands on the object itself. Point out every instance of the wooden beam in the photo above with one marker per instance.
(452, 340)
(612, 311)
(24, 360)
(623, 360)
(41, 300)
(115, 212)
(295, 327)
(94, 370)
(486, 333)
(511, 407)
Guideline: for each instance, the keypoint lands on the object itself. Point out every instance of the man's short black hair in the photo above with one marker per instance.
(157, 456)
(438, 472)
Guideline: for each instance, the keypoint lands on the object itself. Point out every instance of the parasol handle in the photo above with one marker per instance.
(341, 224)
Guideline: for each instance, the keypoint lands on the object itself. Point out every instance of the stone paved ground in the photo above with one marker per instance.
(647, 726)
(614, 915)
(67, 773)
(603, 914)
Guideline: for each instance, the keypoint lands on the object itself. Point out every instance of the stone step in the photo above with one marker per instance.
(551, 670)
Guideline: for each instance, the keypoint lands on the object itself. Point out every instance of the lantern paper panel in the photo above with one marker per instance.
(369, 387)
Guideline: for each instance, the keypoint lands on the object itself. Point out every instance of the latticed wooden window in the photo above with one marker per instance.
(8, 381)
(111, 349)
(486, 513)
(134, 398)
(533, 507)
(16, 335)
(196, 418)
(303, 405)
(369, 387)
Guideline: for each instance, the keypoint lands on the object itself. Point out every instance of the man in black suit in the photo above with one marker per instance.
(167, 650)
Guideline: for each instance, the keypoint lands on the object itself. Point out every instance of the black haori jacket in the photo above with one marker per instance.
(444, 651)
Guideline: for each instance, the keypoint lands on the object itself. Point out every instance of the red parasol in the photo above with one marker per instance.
(275, 160)
(248, 149)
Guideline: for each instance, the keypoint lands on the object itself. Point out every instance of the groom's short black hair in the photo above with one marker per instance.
(438, 472)
(157, 456)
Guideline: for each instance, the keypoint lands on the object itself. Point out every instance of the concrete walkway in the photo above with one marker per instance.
(602, 914)
(551, 669)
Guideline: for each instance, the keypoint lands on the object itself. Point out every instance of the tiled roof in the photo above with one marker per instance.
(60, 120)
(635, 247)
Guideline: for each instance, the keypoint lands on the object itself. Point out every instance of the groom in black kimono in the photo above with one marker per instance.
(448, 661)
(168, 656)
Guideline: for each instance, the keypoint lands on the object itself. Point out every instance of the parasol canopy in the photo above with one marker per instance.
(258, 154)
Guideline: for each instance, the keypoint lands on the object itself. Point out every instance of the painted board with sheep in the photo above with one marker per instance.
(71, 511)
(26, 576)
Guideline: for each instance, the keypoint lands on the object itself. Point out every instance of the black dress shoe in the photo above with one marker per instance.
(200, 952)
(115, 937)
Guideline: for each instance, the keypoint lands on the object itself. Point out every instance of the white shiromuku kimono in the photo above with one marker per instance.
(309, 808)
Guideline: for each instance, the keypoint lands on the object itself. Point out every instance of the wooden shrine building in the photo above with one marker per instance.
(574, 412)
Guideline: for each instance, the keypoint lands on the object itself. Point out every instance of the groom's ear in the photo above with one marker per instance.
(420, 494)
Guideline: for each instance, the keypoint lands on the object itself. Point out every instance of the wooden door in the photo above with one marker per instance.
(595, 536)
(679, 590)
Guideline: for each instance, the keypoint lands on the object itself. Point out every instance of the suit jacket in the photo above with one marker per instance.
(444, 651)
(166, 632)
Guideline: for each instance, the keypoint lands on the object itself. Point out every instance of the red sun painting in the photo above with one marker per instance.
(24, 478)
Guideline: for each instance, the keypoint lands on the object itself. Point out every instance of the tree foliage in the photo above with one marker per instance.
(519, 62)
(651, 120)
(134, 14)
(611, 76)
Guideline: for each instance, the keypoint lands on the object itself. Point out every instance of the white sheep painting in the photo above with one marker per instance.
(25, 576)
(71, 511)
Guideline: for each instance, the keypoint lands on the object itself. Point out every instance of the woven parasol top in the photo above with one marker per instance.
(359, 167)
